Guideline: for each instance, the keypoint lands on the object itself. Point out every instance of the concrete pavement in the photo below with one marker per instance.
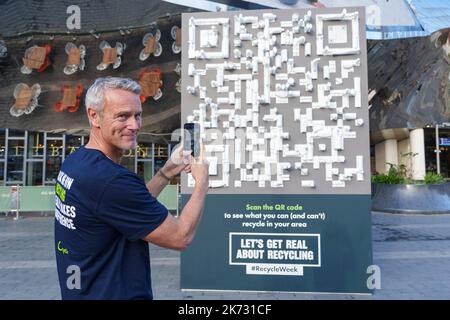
(412, 251)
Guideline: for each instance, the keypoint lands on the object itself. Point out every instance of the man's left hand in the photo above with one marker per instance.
(180, 160)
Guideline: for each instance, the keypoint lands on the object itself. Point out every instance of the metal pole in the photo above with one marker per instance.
(17, 202)
(16, 193)
(438, 151)
(178, 200)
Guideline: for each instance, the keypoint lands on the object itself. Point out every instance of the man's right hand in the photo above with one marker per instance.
(178, 233)
(200, 169)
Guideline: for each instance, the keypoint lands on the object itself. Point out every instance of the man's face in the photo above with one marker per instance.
(120, 120)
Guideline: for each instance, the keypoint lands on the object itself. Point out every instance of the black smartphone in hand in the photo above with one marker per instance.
(192, 138)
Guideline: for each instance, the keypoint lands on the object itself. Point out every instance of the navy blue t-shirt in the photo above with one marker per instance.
(102, 212)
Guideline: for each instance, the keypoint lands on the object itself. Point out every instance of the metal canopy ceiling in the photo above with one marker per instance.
(393, 19)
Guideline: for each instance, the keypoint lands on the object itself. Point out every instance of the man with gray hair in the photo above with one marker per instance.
(105, 215)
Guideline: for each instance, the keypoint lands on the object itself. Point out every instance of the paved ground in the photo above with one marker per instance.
(413, 252)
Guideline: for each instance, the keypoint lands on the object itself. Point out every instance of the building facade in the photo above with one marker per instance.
(29, 158)
(416, 149)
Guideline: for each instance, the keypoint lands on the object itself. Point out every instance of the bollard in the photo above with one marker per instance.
(15, 200)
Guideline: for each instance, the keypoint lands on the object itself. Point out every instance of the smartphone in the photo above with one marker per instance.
(192, 138)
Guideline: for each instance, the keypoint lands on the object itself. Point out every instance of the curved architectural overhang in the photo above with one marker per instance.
(160, 116)
(386, 134)
(408, 82)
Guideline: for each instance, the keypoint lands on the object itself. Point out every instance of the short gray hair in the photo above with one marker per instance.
(95, 96)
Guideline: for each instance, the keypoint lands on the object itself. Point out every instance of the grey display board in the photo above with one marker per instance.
(323, 128)
(288, 88)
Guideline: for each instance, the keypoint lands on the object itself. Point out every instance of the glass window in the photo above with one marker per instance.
(14, 173)
(430, 151)
(127, 160)
(16, 133)
(54, 135)
(72, 144)
(161, 151)
(54, 155)
(161, 156)
(34, 173)
(145, 150)
(35, 145)
(2, 144)
(159, 163)
(2, 173)
(145, 170)
(444, 156)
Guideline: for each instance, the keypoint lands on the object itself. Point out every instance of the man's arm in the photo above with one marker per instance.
(158, 183)
(178, 233)
(179, 160)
